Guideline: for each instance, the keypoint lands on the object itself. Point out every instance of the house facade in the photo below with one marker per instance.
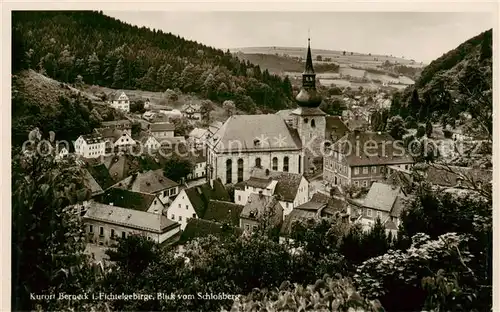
(124, 125)
(361, 158)
(149, 142)
(162, 130)
(384, 202)
(151, 182)
(260, 209)
(192, 112)
(90, 146)
(192, 202)
(290, 189)
(105, 224)
(120, 102)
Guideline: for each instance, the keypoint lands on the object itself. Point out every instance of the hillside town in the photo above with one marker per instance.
(293, 165)
(333, 183)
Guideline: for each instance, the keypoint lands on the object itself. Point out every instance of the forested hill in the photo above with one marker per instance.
(458, 81)
(71, 46)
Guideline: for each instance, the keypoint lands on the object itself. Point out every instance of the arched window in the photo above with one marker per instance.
(285, 164)
(300, 162)
(257, 162)
(240, 170)
(306, 120)
(229, 171)
(275, 164)
(313, 123)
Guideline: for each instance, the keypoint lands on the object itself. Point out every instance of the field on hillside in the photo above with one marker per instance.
(160, 103)
(357, 59)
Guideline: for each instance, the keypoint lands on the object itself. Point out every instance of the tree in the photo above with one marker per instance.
(177, 168)
(428, 129)
(395, 104)
(415, 105)
(119, 75)
(420, 131)
(137, 107)
(206, 107)
(47, 234)
(319, 58)
(182, 126)
(410, 123)
(395, 127)
(229, 107)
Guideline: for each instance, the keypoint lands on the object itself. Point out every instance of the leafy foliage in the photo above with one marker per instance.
(177, 168)
(47, 234)
(396, 127)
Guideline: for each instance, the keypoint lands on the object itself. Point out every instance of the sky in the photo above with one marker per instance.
(422, 36)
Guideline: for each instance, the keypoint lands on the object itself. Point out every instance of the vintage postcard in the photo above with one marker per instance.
(219, 158)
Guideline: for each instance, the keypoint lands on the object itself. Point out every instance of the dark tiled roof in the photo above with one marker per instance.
(311, 206)
(101, 175)
(333, 205)
(149, 182)
(223, 212)
(110, 133)
(93, 138)
(371, 148)
(161, 126)
(449, 177)
(295, 215)
(127, 199)
(354, 124)
(202, 228)
(335, 126)
(200, 196)
(286, 188)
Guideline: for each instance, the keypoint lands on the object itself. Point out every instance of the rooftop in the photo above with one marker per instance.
(127, 199)
(255, 132)
(258, 205)
(382, 196)
(287, 184)
(150, 182)
(136, 219)
(371, 148)
(200, 196)
(223, 212)
(161, 126)
(93, 138)
(202, 228)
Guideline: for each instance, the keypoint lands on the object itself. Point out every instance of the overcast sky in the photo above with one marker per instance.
(421, 36)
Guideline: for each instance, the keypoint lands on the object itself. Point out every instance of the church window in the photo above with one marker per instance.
(275, 163)
(257, 162)
(285, 164)
(306, 120)
(229, 172)
(240, 170)
(313, 123)
(300, 162)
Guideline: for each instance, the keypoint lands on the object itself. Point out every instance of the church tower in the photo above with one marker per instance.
(310, 119)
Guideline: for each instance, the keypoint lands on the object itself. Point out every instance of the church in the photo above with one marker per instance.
(271, 141)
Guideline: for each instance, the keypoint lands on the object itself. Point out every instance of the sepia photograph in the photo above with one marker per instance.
(219, 160)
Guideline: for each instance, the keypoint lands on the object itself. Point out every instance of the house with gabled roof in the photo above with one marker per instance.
(151, 182)
(258, 209)
(105, 224)
(290, 189)
(116, 139)
(162, 130)
(383, 201)
(90, 146)
(119, 100)
(192, 111)
(335, 128)
(131, 200)
(193, 202)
